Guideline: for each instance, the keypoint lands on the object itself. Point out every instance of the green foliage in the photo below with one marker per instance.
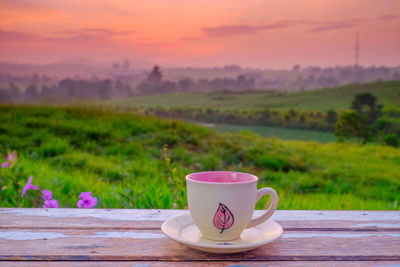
(52, 147)
(392, 140)
(350, 125)
(280, 132)
(365, 104)
(331, 116)
(130, 161)
(360, 122)
(260, 117)
(210, 163)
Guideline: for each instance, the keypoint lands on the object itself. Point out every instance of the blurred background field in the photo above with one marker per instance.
(276, 132)
(334, 98)
(134, 161)
(309, 116)
(125, 98)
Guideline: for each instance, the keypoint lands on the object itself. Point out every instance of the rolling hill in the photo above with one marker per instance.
(338, 98)
(131, 161)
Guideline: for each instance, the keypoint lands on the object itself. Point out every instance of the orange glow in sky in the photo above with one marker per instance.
(251, 33)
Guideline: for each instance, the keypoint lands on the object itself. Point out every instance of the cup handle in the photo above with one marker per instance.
(268, 213)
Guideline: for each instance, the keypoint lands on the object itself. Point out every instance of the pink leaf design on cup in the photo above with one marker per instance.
(223, 218)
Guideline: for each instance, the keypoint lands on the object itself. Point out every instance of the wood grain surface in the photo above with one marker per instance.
(133, 237)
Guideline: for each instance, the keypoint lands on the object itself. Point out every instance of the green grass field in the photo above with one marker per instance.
(131, 161)
(338, 98)
(277, 132)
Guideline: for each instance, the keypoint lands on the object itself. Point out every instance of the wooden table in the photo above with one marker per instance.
(65, 237)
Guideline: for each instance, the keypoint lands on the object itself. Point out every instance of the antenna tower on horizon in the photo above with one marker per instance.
(357, 48)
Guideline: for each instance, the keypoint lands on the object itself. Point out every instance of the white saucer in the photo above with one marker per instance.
(182, 229)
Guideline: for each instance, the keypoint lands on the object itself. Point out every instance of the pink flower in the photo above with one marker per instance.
(47, 195)
(28, 186)
(50, 203)
(174, 205)
(12, 157)
(86, 200)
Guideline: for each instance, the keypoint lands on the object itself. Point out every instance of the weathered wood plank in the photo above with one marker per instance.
(195, 264)
(134, 235)
(152, 219)
(152, 245)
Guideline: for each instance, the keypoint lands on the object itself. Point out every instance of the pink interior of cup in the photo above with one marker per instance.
(222, 177)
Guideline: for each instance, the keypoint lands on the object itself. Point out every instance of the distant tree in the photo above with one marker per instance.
(116, 67)
(296, 68)
(5, 96)
(144, 87)
(155, 75)
(168, 86)
(331, 116)
(232, 68)
(302, 118)
(331, 81)
(293, 113)
(46, 91)
(15, 93)
(45, 78)
(35, 78)
(94, 78)
(319, 114)
(126, 65)
(243, 83)
(104, 89)
(360, 121)
(350, 125)
(186, 84)
(118, 85)
(266, 113)
(365, 103)
(392, 140)
(287, 117)
(31, 91)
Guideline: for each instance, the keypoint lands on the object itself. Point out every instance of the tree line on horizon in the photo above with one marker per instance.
(124, 81)
(81, 89)
(364, 122)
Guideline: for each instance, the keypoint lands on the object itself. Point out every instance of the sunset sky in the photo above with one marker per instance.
(252, 33)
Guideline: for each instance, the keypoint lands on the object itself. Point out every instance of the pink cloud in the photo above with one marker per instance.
(388, 17)
(19, 4)
(231, 30)
(190, 38)
(74, 37)
(95, 32)
(332, 26)
(12, 36)
(226, 31)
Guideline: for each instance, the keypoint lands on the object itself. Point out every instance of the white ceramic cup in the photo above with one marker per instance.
(221, 203)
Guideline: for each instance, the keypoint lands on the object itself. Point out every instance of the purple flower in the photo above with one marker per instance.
(86, 200)
(10, 159)
(28, 186)
(85, 195)
(47, 195)
(50, 203)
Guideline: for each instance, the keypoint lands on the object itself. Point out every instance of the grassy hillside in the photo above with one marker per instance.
(388, 93)
(278, 132)
(140, 162)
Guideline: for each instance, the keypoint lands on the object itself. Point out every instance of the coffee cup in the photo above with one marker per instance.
(221, 203)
